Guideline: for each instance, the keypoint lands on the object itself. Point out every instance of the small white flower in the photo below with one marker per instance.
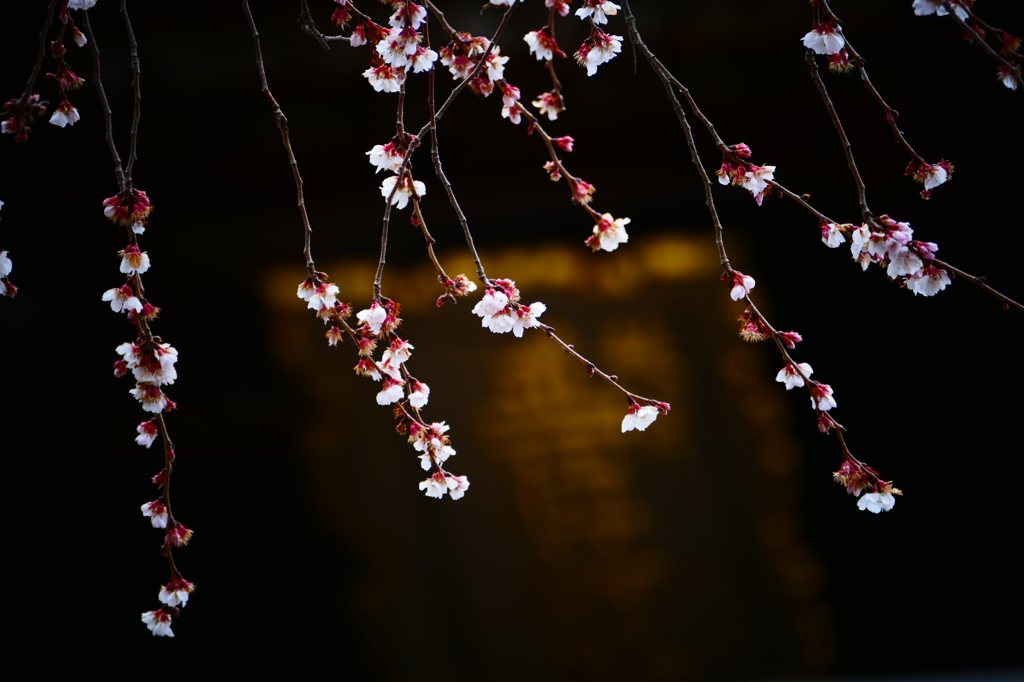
(158, 622)
(538, 43)
(929, 281)
(157, 513)
(134, 261)
(821, 397)
(831, 235)
(391, 392)
(639, 418)
(791, 377)
(741, 286)
(876, 502)
(148, 432)
(176, 592)
(374, 317)
(120, 300)
(65, 115)
(527, 318)
(401, 198)
(423, 60)
(457, 486)
(324, 296)
(825, 39)
(603, 50)
(904, 262)
(609, 233)
(81, 4)
(419, 395)
(756, 179)
(492, 302)
(385, 157)
(6, 266)
(936, 176)
(436, 486)
(923, 8)
(600, 11)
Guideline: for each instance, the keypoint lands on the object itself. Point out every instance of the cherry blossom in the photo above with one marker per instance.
(560, 6)
(177, 535)
(159, 621)
(608, 233)
(923, 8)
(741, 285)
(392, 390)
(408, 15)
(384, 78)
(599, 49)
(821, 397)
(877, 502)
(152, 398)
(598, 10)
(79, 37)
(791, 377)
(176, 592)
(831, 235)
(400, 199)
(148, 431)
(457, 486)
(373, 317)
(419, 393)
(639, 418)
(65, 115)
(81, 4)
(157, 513)
(435, 486)
(386, 157)
(6, 267)
(825, 39)
(121, 299)
(526, 317)
(550, 104)
(542, 44)
(928, 281)
(133, 260)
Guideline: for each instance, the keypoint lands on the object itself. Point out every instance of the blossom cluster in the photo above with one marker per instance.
(755, 179)
(379, 323)
(858, 477)
(501, 312)
(891, 244)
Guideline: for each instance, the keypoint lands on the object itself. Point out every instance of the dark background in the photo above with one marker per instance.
(929, 388)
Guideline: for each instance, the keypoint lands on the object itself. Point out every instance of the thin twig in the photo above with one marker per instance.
(862, 198)
(136, 74)
(282, 125)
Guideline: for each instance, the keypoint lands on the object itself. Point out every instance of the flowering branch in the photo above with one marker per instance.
(149, 359)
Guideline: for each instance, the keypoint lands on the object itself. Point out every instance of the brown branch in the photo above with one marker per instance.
(282, 125)
(136, 73)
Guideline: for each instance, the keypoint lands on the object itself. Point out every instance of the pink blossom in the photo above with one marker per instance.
(526, 317)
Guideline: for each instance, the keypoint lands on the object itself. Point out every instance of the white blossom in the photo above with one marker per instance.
(401, 198)
(598, 10)
(639, 418)
(824, 39)
(374, 317)
(877, 502)
(158, 622)
(791, 377)
(527, 318)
